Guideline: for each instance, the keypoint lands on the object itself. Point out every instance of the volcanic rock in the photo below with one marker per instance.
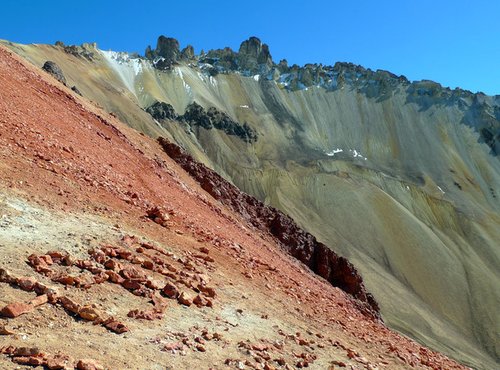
(55, 71)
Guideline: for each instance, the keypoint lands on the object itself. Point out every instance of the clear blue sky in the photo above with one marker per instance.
(454, 42)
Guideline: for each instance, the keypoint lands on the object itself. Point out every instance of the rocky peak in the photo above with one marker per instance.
(187, 52)
(168, 48)
(254, 53)
(166, 54)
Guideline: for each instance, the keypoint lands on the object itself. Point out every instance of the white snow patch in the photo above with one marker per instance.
(244, 106)
(333, 152)
(355, 153)
(256, 77)
(126, 68)
(441, 190)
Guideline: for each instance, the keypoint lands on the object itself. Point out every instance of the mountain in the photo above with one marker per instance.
(402, 178)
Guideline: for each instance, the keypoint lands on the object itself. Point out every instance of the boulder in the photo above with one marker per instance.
(16, 309)
(56, 72)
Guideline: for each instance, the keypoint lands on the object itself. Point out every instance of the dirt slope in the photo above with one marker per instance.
(78, 183)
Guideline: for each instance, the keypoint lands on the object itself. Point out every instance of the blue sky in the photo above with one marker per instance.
(456, 43)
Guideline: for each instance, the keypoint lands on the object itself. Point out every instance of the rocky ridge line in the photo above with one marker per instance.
(300, 244)
(481, 112)
(196, 115)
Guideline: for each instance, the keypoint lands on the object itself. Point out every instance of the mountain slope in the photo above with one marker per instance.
(390, 174)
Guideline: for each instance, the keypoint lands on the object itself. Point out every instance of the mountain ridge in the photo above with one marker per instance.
(350, 169)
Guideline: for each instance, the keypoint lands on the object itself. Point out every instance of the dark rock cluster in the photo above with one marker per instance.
(83, 51)
(299, 243)
(161, 111)
(168, 53)
(196, 115)
(53, 69)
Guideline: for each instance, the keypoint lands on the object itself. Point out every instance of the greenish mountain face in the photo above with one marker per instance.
(401, 178)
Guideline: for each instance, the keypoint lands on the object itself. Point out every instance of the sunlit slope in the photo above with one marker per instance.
(405, 191)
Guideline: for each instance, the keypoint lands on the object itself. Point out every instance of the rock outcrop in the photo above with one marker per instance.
(56, 72)
(161, 111)
(254, 56)
(166, 54)
(195, 115)
(299, 243)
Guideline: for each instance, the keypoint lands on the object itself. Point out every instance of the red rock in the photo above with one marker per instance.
(159, 216)
(26, 283)
(68, 260)
(132, 284)
(173, 346)
(7, 350)
(132, 272)
(155, 284)
(145, 315)
(29, 360)
(114, 277)
(58, 361)
(204, 250)
(89, 313)
(148, 265)
(136, 260)
(98, 255)
(339, 363)
(302, 342)
(68, 304)
(85, 264)
(185, 299)
(116, 326)
(209, 291)
(170, 290)
(159, 303)
(114, 265)
(259, 347)
(56, 256)
(280, 361)
(200, 348)
(16, 309)
(65, 279)
(101, 277)
(86, 364)
(201, 301)
(40, 300)
(47, 259)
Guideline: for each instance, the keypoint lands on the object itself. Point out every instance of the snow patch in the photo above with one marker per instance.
(126, 67)
(244, 106)
(256, 78)
(333, 152)
(355, 153)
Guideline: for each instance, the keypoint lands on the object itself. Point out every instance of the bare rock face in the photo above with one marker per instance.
(166, 54)
(299, 243)
(253, 53)
(161, 111)
(187, 53)
(55, 71)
